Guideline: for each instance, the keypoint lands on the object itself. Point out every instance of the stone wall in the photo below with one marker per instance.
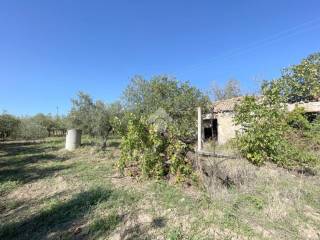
(308, 107)
(226, 127)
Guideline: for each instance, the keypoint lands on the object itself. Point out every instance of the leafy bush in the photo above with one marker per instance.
(159, 127)
(269, 132)
(152, 148)
(261, 136)
(267, 128)
(297, 119)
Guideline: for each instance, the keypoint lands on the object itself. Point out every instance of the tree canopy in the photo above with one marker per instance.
(230, 90)
(301, 82)
(178, 99)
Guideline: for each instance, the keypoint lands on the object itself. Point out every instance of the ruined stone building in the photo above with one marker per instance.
(219, 126)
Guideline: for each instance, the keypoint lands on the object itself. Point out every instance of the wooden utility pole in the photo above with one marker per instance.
(199, 130)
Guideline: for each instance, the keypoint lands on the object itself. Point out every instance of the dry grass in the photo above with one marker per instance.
(47, 193)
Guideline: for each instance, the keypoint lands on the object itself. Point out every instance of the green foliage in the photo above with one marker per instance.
(301, 82)
(230, 90)
(160, 127)
(82, 113)
(268, 129)
(93, 118)
(152, 149)
(177, 99)
(263, 126)
(297, 119)
(45, 121)
(8, 125)
(49, 122)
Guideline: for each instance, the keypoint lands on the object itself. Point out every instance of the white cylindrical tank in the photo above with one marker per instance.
(73, 139)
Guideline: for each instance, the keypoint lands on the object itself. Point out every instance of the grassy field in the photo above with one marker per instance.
(48, 193)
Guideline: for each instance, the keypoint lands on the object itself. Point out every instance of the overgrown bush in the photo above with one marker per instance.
(297, 119)
(152, 148)
(263, 127)
(159, 126)
(268, 129)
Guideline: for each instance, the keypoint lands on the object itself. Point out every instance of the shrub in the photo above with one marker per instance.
(153, 149)
(267, 130)
(263, 126)
(297, 119)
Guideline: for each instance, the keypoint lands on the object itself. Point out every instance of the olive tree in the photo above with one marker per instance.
(93, 118)
(179, 100)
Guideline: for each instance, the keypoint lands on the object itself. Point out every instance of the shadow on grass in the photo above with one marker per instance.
(59, 218)
(20, 148)
(25, 175)
(20, 161)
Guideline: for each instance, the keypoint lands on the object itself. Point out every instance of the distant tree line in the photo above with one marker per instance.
(34, 127)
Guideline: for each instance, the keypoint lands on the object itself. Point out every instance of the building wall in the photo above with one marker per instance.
(308, 107)
(226, 127)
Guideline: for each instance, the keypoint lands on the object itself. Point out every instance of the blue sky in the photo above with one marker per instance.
(50, 50)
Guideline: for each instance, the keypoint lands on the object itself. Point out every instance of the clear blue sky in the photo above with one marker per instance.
(49, 50)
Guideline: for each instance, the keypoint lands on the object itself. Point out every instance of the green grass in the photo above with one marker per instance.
(48, 193)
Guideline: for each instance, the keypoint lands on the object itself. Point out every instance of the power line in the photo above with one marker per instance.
(296, 30)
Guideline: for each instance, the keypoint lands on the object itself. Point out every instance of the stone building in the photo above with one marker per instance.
(219, 126)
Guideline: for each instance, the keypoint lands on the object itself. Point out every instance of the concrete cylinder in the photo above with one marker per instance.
(73, 139)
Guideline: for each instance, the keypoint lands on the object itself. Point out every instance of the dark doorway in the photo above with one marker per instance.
(211, 130)
(208, 133)
(215, 129)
